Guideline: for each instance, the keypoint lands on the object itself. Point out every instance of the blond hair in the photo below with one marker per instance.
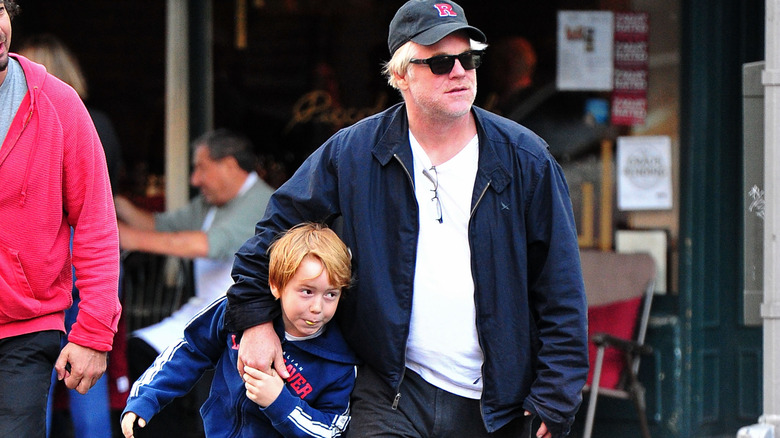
(48, 50)
(289, 250)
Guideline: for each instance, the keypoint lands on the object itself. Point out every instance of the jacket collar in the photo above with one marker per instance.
(330, 344)
(490, 165)
(395, 141)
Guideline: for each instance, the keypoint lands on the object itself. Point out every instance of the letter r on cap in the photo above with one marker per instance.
(445, 10)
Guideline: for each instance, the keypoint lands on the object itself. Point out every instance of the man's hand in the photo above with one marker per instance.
(261, 349)
(542, 432)
(128, 421)
(262, 388)
(86, 366)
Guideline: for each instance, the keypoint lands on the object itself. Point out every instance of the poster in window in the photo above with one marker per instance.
(644, 173)
(585, 44)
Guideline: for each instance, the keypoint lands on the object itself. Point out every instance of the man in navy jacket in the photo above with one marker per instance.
(468, 309)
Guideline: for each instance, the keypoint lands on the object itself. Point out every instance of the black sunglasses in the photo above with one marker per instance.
(442, 64)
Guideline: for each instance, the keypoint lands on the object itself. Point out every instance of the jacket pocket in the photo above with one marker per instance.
(17, 300)
(217, 416)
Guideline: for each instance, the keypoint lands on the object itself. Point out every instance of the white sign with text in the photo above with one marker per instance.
(585, 46)
(644, 173)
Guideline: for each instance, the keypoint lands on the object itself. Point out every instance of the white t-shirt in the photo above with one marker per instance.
(443, 346)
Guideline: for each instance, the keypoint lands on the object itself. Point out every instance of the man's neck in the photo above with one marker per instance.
(4, 73)
(5, 67)
(238, 186)
(443, 139)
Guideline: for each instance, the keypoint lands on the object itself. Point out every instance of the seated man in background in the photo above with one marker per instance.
(209, 230)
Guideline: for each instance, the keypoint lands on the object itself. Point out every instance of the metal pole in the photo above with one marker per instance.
(177, 114)
(770, 308)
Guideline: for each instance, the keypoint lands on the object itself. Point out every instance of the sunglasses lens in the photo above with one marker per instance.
(470, 61)
(443, 65)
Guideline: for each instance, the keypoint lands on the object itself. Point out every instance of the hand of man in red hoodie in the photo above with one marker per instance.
(86, 366)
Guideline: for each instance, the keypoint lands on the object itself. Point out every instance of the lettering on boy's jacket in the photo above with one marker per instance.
(297, 382)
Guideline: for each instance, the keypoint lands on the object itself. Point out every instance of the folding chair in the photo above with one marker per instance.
(619, 288)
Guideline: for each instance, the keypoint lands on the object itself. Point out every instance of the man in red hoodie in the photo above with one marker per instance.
(54, 179)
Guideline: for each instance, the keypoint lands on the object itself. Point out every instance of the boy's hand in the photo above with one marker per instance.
(262, 388)
(128, 421)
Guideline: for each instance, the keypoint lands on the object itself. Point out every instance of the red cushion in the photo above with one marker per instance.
(617, 319)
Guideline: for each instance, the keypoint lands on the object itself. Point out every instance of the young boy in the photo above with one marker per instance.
(309, 266)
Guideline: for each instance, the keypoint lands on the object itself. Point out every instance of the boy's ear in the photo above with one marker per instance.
(275, 291)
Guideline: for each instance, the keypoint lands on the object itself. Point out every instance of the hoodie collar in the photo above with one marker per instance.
(35, 75)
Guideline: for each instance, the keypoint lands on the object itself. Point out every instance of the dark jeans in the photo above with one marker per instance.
(26, 363)
(424, 411)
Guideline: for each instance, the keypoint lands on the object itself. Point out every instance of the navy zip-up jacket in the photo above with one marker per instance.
(314, 402)
(529, 293)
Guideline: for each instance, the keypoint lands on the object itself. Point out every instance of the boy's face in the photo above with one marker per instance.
(308, 301)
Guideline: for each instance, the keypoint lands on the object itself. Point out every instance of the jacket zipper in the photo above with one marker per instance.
(471, 215)
(481, 195)
(403, 166)
(239, 424)
(397, 398)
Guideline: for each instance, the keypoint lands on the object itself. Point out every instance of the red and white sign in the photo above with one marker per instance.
(629, 93)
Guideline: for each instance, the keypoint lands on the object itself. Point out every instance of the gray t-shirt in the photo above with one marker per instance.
(233, 223)
(12, 91)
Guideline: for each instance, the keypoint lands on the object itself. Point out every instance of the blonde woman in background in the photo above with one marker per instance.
(50, 51)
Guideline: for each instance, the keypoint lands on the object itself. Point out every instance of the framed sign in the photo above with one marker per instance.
(644, 173)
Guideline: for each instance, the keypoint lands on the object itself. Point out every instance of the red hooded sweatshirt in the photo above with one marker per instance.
(53, 176)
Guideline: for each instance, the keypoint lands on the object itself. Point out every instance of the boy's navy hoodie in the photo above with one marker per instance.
(314, 402)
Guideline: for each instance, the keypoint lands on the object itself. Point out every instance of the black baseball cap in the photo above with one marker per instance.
(428, 21)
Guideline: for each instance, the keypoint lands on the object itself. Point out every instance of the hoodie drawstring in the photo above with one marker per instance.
(33, 147)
